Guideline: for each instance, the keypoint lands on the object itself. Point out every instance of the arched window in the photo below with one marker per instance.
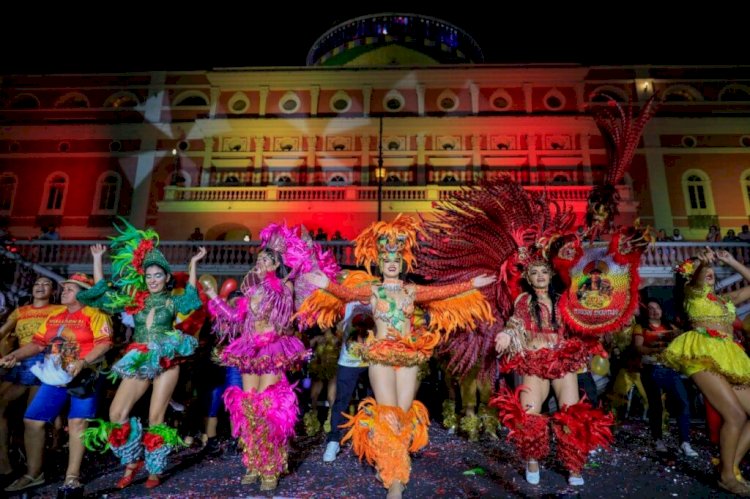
(449, 179)
(55, 190)
(72, 100)
(337, 180)
(681, 93)
(560, 179)
(393, 180)
(697, 191)
(604, 93)
(7, 192)
(191, 99)
(735, 93)
(122, 100)
(25, 101)
(180, 178)
(284, 180)
(107, 193)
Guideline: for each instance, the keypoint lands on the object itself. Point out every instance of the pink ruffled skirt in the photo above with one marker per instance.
(265, 353)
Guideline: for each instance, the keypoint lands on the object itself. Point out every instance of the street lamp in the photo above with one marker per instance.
(380, 172)
(175, 167)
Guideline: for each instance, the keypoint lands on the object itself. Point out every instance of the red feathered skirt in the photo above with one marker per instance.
(568, 356)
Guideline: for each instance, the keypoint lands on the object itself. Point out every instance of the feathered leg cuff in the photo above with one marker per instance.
(529, 433)
(124, 439)
(382, 434)
(579, 429)
(158, 442)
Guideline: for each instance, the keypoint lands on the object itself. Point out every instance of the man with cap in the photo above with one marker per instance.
(71, 339)
(20, 327)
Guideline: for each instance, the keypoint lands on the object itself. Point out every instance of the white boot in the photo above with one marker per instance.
(332, 448)
(532, 476)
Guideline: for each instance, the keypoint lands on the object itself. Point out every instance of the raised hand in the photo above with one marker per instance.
(724, 256)
(97, 250)
(706, 256)
(199, 255)
(483, 280)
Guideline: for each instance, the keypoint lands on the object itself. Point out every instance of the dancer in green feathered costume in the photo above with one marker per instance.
(140, 278)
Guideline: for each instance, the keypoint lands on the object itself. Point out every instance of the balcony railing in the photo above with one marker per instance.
(235, 257)
(223, 257)
(429, 193)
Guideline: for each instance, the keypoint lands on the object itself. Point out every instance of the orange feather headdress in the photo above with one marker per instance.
(383, 238)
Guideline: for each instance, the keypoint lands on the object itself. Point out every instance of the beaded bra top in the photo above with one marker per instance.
(704, 307)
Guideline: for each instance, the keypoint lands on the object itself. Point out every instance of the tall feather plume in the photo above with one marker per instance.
(622, 131)
(480, 230)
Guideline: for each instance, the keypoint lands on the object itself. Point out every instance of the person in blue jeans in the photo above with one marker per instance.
(650, 338)
(356, 324)
(231, 377)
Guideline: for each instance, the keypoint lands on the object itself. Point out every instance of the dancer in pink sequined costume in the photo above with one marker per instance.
(262, 345)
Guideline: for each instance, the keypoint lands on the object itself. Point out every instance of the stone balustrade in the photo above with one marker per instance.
(429, 193)
(235, 257)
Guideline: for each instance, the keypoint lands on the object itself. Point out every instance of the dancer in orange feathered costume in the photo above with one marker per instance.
(387, 428)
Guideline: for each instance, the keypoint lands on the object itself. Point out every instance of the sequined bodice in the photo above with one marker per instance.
(706, 309)
(394, 305)
(164, 315)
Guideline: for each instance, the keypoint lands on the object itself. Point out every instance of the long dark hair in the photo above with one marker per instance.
(536, 308)
(643, 320)
(282, 270)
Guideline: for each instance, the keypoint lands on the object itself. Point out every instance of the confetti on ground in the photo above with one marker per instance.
(630, 469)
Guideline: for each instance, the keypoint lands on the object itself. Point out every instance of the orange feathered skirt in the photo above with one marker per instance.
(398, 350)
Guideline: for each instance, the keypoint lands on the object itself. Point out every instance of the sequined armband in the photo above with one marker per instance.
(346, 294)
(519, 337)
(432, 293)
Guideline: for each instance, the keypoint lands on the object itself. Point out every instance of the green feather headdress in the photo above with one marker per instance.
(133, 250)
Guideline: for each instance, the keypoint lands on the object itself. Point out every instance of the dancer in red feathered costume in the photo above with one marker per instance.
(501, 229)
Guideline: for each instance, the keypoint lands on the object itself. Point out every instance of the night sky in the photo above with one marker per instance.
(134, 36)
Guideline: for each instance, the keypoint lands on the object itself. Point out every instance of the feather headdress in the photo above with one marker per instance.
(133, 250)
(382, 238)
(622, 132)
(497, 228)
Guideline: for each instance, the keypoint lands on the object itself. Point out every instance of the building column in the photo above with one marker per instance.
(142, 182)
(588, 177)
(366, 97)
(205, 171)
(214, 104)
(420, 99)
(657, 182)
(311, 160)
(314, 100)
(475, 167)
(263, 100)
(527, 98)
(364, 168)
(258, 160)
(533, 160)
(421, 160)
(147, 157)
(474, 90)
